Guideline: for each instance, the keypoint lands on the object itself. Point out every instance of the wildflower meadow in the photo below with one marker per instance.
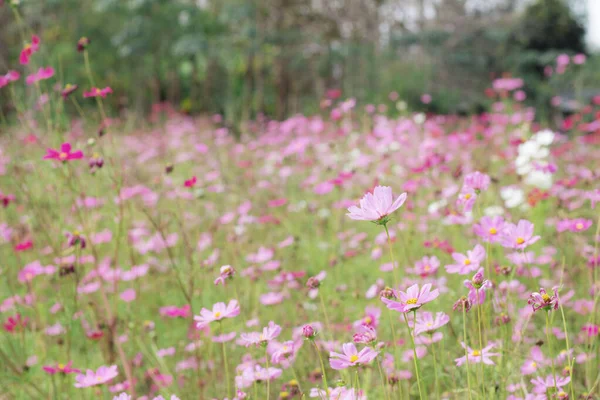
(363, 251)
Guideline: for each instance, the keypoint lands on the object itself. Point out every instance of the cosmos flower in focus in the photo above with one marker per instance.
(219, 312)
(377, 206)
(351, 357)
(412, 299)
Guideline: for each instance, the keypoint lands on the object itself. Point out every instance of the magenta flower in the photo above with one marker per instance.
(11, 76)
(425, 322)
(469, 263)
(412, 299)
(269, 333)
(40, 75)
(100, 376)
(95, 92)
(543, 300)
(219, 312)
(62, 368)
(351, 357)
(377, 206)
(518, 236)
(489, 228)
(29, 49)
(477, 356)
(226, 272)
(64, 154)
(175, 312)
(366, 334)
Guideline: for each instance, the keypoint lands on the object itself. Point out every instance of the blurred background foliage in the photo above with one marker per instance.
(241, 58)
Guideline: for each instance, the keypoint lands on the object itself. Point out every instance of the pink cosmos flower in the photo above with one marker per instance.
(412, 299)
(64, 154)
(41, 74)
(426, 266)
(477, 356)
(351, 357)
(543, 300)
(427, 323)
(518, 236)
(95, 92)
(377, 206)
(541, 385)
(536, 359)
(366, 334)
(100, 376)
(371, 318)
(128, 295)
(226, 272)
(257, 338)
(62, 368)
(489, 228)
(477, 181)
(29, 49)
(573, 225)
(219, 312)
(469, 263)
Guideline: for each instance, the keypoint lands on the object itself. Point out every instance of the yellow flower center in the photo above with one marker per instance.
(468, 196)
(61, 366)
(467, 261)
(368, 320)
(429, 324)
(520, 240)
(545, 297)
(218, 314)
(98, 378)
(353, 359)
(75, 233)
(63, 156)
(427, 268)
(493, 231)
(534, 364)
(29, 276)
(411, 301)
(284, 395)
(476, 353)
(579, 225)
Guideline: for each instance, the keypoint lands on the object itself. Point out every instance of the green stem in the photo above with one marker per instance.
(480, 343)
(435, 372)
(226, 364)
(571, 364)
(466, 350)
(268, 379)
(414, 348)
(550, 346)
(394, 269)
(323, 373)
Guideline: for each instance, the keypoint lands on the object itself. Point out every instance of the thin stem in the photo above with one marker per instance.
(226, 364)
(466, 350)
(323, 374)
(414, 348)
(550, 346)
(384, 382)
(394, 270)
(268, 378)
(324, 309)
(435, 372)
(571, 364)
(480, 342)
